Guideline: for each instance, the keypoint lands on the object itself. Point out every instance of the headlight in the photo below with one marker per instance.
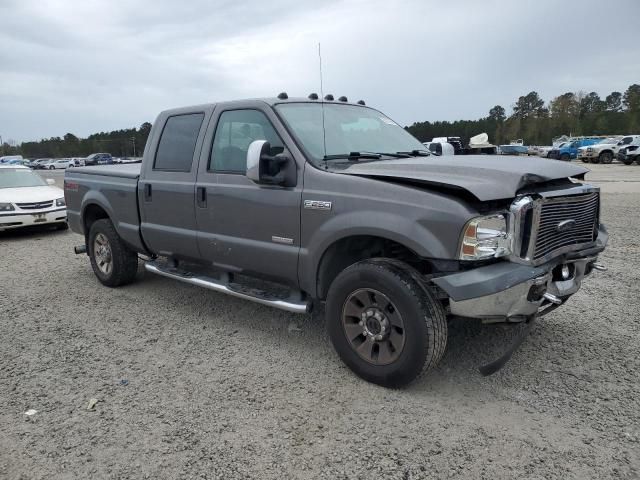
(60, 202)
(6, 207)
(589, 149)
(485, 237)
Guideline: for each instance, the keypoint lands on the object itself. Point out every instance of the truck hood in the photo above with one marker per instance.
(30, 194)
(487, 177)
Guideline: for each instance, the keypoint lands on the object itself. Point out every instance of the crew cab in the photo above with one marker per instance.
(26, 199)
(569, 150)
(331, 202)
(601, 152)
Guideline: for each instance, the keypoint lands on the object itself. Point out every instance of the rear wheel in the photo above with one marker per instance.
(565, 156)
(52, 167)
(606, 157)
(112, 261)
(384, 324)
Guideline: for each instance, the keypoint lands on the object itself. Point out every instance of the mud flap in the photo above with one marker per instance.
(493, 367)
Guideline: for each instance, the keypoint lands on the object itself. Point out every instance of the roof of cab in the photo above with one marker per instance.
(271, 101)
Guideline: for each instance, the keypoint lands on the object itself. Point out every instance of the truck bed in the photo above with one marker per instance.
(112, 189)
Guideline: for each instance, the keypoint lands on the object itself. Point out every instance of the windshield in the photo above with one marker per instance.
(10, 178)
(347, 128)
(610, 140)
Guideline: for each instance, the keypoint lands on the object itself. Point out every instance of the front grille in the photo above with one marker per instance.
(581, 209)
(35, 205)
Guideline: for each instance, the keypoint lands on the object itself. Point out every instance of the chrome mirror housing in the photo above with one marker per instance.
(256, 150)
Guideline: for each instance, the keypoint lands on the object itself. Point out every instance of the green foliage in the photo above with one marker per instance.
(572, 113)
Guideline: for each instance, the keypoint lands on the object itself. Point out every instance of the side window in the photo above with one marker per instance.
(627, 140)
(235, 131)
(178, 142)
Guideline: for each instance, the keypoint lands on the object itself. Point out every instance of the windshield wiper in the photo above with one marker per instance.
(353, 156)
(417, 153)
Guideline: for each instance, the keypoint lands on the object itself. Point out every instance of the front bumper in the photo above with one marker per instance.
(505, 291)
(586, 154)
(40, 217)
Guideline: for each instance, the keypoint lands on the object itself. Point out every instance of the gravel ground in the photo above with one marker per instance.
(192, 384)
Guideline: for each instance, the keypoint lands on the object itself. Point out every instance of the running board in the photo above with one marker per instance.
(290, 305)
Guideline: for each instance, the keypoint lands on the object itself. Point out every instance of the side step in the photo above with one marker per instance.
(235, 290)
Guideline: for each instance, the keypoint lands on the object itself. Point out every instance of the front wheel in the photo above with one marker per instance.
(113, 262)
(606, 157)
(52, 167)
(384, 324)
(565, 156)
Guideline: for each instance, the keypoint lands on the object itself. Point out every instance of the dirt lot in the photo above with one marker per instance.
(192, 384)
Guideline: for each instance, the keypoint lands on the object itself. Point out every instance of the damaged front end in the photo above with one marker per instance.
(550, 243)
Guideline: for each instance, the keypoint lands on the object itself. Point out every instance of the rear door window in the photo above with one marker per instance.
(178, 143)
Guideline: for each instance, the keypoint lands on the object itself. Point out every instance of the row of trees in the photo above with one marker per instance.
(531, 119)
(120, 143)
(572, 113)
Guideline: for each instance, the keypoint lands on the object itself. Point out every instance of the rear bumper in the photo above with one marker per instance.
(19, 220)
(507, 291)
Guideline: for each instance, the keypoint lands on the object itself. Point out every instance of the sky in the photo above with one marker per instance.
(86, 66)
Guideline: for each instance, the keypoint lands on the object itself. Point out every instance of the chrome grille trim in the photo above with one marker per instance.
(534, 220)
(35, 205)
(583, 209)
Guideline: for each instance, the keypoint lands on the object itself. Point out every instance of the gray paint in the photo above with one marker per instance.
(487, 177)
(236, 228)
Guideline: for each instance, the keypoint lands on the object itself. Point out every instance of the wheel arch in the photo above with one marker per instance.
(350, 249)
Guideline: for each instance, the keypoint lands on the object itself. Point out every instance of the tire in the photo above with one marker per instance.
(415, 336)
(62, 226)
(106, 248)
(585, 160)
(565, 157)
(52, 167)
(627, 161)
(606, 157)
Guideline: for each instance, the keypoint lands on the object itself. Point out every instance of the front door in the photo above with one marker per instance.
(166, 190)
(243, 226)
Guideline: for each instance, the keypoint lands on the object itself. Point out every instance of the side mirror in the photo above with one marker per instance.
(51, 181)
(264, 168)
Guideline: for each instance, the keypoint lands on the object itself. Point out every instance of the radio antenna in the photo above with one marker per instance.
(324, 134)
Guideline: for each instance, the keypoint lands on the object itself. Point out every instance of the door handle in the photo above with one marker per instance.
(201, 197)
(147, 191)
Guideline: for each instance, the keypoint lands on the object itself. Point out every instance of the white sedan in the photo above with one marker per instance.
(60, 163)
(26, 199)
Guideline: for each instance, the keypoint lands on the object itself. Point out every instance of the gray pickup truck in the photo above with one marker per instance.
(297, 202)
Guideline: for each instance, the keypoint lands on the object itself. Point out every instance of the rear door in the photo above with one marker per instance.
(166, 190)
(243, 226)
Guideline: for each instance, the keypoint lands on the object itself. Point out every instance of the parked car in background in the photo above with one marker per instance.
(630, 154)
(77, 161)
(8, 158)
(440, 148)
(40, 163)
(27, 199)
(23, 162)
(601, 152)
(626, 141)
(98, 159)
(456, 143)
(60, 163)
(569, 150)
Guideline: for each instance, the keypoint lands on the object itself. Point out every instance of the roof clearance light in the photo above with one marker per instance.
(328, 97)
(313, 96)
(283, 96)
(343, 99)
